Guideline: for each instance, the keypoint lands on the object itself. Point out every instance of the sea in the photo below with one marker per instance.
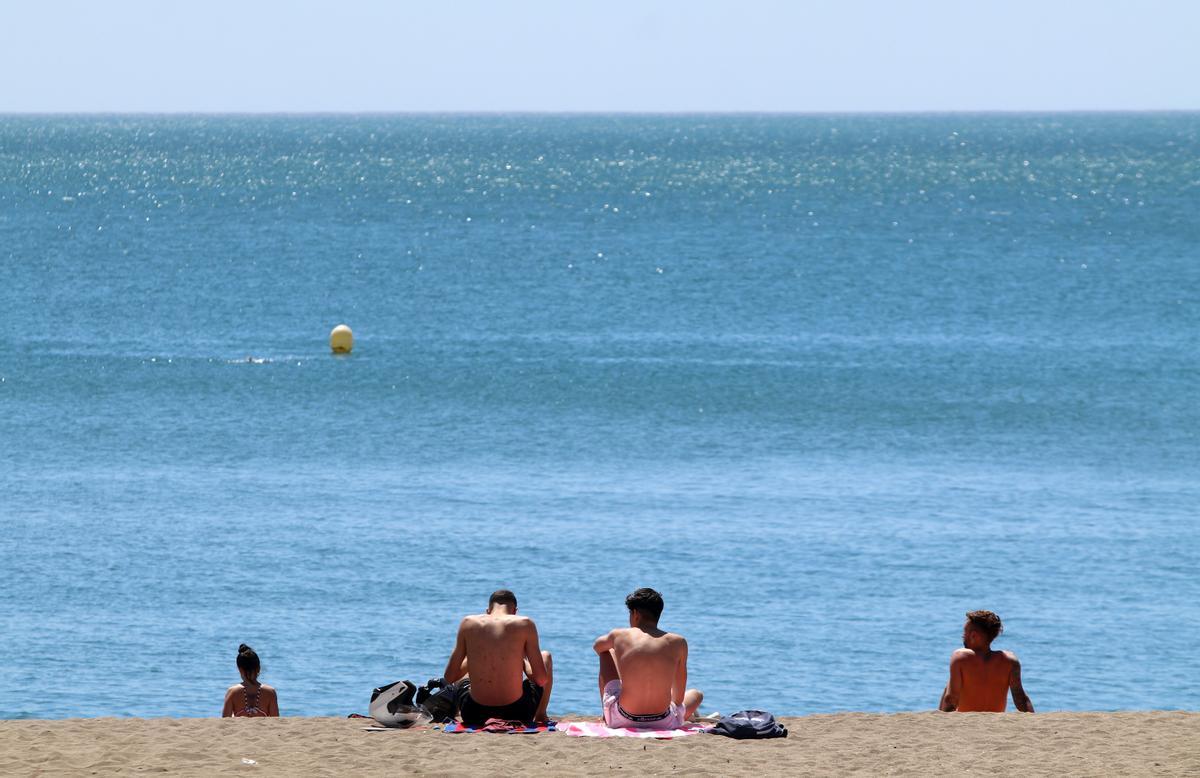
(827, 382)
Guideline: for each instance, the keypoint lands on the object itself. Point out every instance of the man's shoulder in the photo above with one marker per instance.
(962, 655)
(670, 639)
(514, 621)
(474, 622)
(1011, 656)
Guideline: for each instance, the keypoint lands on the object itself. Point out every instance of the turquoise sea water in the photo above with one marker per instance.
(827, 382)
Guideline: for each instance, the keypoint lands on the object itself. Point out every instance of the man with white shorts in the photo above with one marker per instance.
(643, 670)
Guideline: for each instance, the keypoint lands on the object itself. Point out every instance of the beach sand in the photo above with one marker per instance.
(1152, 743)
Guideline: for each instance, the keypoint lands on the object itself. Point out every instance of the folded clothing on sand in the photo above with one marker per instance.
(500, 726)
(749, 725)
(596, 729)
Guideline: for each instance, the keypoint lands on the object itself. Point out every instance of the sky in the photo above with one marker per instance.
(584, 55)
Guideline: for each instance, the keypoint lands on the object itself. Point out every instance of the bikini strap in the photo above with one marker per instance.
(248, 702)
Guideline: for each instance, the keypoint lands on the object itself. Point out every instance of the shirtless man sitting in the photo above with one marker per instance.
(643, 670)
(981, 678)
(509, 675)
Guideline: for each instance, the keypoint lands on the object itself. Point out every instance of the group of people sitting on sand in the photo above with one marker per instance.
(498, 670)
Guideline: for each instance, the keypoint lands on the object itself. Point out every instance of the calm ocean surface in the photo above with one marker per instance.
(827, 382)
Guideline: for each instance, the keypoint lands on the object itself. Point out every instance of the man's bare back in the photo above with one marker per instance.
(652, 665)
(497, 650)
(984, 679)
(980, 678)
(643, 670)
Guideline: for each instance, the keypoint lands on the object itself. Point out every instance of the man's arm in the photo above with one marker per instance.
(533, 657)
(604, 643)
(680, 674)
(454, 667)
(953, 688)
(1020, 699)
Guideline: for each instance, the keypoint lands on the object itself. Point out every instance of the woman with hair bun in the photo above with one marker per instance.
(249, 698)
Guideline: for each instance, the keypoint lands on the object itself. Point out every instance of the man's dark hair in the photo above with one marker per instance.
(647, 602)
(502, 597)
(986, 622)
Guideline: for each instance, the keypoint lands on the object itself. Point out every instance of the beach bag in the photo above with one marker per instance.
(440, 699)
(749, 725)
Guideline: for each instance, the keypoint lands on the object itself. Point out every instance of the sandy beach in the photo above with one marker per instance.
(1149, 743)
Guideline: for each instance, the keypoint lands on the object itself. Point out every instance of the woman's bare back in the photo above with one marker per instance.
(245, 700)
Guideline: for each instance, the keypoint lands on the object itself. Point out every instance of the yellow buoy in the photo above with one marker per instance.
(341, 339)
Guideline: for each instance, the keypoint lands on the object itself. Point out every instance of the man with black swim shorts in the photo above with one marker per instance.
(501, 670)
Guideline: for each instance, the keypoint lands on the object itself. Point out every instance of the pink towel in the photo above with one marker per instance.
(597, 729)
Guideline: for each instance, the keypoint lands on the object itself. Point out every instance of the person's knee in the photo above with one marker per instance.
(696, 695)
(548, 660)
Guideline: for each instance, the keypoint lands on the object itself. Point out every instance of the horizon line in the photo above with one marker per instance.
(600, 112)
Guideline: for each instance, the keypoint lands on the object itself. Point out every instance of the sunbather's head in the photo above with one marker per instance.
(503, 597)
(645, 606)
(981, 629)
(247, 662)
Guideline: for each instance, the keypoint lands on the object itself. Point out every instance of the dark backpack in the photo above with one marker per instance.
(749, 725)
(442, 699)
